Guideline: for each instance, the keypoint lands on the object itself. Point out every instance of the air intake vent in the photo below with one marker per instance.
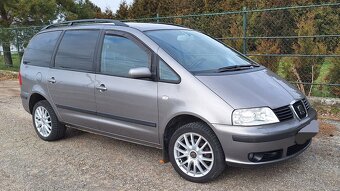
(306, 103)
(283, 113)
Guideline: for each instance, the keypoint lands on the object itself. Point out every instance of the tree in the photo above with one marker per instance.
(85, 9)
(6, 19)
(143, 8)
(22, 12)
(268, 46)
(307, 69)
(66, 10)
(35, 12)
(108, 14)
(334, 72)
(123, 11)
(40, 13)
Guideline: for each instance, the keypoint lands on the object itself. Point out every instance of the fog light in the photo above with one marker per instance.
(255, 157)
(265, 156)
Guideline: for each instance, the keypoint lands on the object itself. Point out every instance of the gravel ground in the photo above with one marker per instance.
(84, 161)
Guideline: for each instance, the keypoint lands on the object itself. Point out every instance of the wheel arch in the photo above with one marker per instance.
(35, 98)
(173, 124)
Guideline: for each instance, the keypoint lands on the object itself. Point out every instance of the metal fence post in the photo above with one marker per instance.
(157, 16)
(244, 13)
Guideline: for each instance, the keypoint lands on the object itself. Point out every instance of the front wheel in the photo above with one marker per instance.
(196, 153)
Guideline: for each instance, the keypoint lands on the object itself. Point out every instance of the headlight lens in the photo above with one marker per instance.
(254, 116)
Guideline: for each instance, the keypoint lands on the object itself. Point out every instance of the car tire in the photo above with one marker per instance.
(46, 123)
(201, 160)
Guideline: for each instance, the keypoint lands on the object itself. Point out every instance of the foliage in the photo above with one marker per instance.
(268, 47)
(334, 72)
(123, 11)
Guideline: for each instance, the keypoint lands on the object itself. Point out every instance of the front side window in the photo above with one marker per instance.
(197, 52)
(120, 54)
(40, 49)
(76, 50)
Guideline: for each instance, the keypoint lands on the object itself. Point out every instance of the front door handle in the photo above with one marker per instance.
(101, 88)
(52, 80)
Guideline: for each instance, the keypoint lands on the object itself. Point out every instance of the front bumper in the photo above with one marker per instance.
(274, 143)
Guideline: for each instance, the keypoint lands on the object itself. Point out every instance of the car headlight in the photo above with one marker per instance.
(254, 116)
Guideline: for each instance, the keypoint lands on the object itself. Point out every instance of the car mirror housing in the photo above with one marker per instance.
(142, 72)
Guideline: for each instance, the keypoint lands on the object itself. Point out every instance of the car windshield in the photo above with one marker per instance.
(198, 52)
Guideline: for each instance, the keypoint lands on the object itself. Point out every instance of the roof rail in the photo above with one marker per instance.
(85, 21)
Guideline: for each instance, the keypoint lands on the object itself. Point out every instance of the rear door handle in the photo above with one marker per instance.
(52, 80)
(101, 88)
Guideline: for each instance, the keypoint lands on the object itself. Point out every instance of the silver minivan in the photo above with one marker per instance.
(169, 87)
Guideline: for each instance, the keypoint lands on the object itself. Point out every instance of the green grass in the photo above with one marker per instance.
(16, 63)
(323, 91)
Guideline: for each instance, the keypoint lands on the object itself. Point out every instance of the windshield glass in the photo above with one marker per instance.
(197, 52)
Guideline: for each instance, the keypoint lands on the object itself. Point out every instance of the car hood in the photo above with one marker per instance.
(247, 89)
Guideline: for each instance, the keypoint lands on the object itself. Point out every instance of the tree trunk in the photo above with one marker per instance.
(6, 22)
(300, 85)
(7, 55)
(311, 86)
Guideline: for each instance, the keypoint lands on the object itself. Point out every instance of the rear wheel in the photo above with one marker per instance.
(196, 153)
(46, 123)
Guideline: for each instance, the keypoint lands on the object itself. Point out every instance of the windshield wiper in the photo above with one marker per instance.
(237, 67)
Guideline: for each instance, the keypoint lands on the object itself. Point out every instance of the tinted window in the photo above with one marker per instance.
(166, 73)
(40, 49)
(120, 54)
(76, 50)
(196, 51)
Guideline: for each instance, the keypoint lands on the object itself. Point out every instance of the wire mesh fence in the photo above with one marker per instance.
(300, 43)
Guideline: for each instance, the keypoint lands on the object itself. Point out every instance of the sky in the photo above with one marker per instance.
(111, 4)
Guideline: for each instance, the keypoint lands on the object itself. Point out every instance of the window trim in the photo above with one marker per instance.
(138, 42)
(167, 81)
(53, 66)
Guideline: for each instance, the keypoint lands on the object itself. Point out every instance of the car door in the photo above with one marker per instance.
(72, 79)
(127, 106)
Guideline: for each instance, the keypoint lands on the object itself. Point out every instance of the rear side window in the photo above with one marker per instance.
(120, 54)
(40, 49)
(76, 50)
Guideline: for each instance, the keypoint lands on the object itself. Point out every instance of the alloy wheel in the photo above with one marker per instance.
(43, 121)
(193, 154)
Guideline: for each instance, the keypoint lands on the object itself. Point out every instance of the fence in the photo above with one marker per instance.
(299, 43)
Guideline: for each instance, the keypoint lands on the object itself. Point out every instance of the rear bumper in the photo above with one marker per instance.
(25, 101)
(251, 146)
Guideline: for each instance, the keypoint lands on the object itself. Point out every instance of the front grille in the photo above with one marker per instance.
(283, 113)
(306, 103)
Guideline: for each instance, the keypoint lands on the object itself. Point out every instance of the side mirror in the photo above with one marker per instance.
(142, 72)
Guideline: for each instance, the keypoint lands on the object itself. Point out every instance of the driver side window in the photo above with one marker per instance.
(120, 54)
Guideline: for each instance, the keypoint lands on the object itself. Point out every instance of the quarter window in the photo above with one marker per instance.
(76, 50)
(120, 54)
(166, 73)
(40, 50)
